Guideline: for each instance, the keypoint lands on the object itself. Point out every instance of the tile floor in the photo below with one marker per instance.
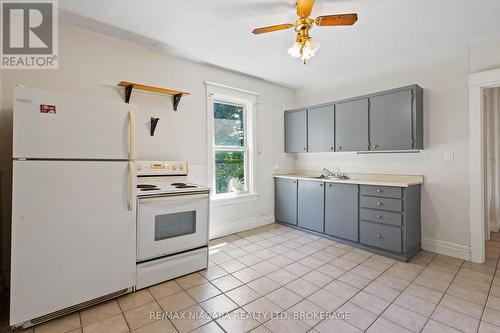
(274, 271)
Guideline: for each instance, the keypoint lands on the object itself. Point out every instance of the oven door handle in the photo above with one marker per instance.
(175, 196)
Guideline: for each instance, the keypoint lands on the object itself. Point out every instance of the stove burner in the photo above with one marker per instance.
(146, 186)
(185, 186)
(178, 184)
(150, 189)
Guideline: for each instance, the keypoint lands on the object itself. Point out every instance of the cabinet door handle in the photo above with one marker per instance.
(340, 147)
(375, 146)
(380, 190)
(330, 185)
(331, 148)
(379, 203)
(304, 148)
(379, 236)
(321, 185)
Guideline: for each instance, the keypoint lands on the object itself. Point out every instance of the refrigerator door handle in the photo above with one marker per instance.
(131, 194)
(131, 135)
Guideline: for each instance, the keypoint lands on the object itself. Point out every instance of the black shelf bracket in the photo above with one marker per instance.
(128, 92)
(154, 122)
(177, 99)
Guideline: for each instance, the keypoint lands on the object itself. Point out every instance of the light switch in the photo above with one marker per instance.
(449, 155)
(276, 168)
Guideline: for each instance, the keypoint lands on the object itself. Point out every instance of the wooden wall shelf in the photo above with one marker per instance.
(132, 85)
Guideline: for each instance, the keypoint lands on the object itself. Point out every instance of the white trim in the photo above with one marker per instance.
(234, 199)
(220, 85)
(242, 225)
(477, 82)
(446, 248)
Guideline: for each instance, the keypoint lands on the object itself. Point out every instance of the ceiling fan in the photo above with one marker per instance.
(304, 47)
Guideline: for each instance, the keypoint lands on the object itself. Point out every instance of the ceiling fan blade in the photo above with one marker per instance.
(273, 28)
(330, 20)
(304, 7)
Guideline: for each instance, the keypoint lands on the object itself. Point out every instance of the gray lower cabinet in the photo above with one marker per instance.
(382, 219)
(351, 125)
(296, 131)
(285, 200)
(393, 121)
(320, 128)
(310, 205)
(389, 218)
(341, 211)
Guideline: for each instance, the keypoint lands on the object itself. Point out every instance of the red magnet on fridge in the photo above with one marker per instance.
(45, 108)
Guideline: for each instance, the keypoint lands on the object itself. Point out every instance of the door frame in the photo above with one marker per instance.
(477, 211)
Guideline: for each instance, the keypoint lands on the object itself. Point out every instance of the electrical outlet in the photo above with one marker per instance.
(449, 155)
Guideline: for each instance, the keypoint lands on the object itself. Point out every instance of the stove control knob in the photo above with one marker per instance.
(180, 167)
(174, 167)
(139, 167)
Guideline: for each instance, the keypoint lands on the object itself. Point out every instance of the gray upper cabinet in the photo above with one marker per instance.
(396, 120)
(310, 205)
(296, 131)
(285, 200)
(320, 128)
(351, 125)
(341, 211)
(385, 121)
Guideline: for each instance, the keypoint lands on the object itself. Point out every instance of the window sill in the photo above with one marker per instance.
(233, 199)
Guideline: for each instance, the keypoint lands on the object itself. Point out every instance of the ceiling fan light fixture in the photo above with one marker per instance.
(310, 48)
(295, 50)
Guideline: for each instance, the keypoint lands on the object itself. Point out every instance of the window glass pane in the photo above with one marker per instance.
(228, 125)
(229, 171)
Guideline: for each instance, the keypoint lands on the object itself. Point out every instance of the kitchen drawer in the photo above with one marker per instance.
(381, 236)
(381, 191)
(381, 203)
(381, 217)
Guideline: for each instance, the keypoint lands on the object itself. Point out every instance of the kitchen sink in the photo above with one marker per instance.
(329, 177)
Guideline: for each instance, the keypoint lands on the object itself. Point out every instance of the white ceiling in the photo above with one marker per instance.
(218, 32)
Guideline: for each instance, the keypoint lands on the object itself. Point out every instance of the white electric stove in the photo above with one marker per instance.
(172, 222)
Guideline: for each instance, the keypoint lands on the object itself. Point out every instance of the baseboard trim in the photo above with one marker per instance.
(241, 225)
(495, 225)
(446, 248)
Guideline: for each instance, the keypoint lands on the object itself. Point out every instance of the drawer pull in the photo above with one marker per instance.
(380, 190)
(379, 236)
(379, 216)
(330, 185)
(379, 203)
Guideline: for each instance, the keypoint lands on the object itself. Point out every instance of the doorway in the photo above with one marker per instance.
(484, 191)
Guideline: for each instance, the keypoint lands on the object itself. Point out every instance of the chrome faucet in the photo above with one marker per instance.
(329, 173)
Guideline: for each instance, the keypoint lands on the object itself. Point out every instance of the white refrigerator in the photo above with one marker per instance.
(73, 203)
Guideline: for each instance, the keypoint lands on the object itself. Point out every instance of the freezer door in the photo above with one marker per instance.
(50, 124)
(73, 235)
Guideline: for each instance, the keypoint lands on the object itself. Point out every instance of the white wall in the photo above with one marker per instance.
(92, 64)
(444, 77)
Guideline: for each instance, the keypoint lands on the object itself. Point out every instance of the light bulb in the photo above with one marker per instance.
(294, 51)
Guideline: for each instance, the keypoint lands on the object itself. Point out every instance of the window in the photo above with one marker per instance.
(229, 148)
(231, 153)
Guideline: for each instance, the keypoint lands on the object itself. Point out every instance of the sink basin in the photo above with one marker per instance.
(330, 177)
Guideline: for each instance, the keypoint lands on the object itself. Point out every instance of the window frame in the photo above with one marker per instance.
(247, 149)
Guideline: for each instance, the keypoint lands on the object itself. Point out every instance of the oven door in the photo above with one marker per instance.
(171, 224)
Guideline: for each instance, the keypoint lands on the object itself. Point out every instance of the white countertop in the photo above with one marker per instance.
(360, 179)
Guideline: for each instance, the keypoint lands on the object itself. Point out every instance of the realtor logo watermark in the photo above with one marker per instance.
(29, 34)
